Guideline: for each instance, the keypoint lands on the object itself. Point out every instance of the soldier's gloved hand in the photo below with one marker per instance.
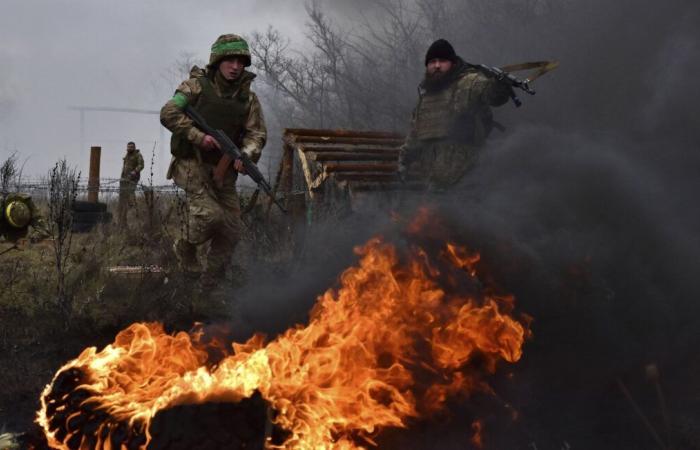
(238, 165)
(209, 143)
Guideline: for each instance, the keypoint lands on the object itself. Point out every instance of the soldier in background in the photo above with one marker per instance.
(452, 120)
(221, 94)
(131, 174)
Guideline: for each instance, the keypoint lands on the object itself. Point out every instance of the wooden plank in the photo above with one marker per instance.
(306, 168)
(393, 156)
(347, 148)
(287, 168)
(366, 176)
(385, 186)
(304, 132)
(345, 167)
(347, 140)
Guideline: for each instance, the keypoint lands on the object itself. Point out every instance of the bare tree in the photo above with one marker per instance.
(171, 77)
(348, 79)
(8, 173)
(364, 75)
(63, 189)
(181, 67)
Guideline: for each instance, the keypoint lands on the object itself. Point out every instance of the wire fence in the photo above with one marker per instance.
(108, 188)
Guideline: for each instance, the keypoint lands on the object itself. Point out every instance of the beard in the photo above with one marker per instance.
(438, 80)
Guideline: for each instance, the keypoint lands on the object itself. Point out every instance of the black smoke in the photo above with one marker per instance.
(586, 209)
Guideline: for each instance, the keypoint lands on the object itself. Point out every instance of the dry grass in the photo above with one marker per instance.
(36, 335)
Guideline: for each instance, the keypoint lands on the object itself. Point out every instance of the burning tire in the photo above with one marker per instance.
(209, 426)
(406, 330)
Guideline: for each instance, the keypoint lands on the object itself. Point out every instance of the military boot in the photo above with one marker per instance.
(212, 279)
(186, 254)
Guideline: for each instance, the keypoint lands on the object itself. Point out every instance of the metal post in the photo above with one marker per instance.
(94, 179)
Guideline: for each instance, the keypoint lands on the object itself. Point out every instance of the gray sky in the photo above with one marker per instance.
(58, 53)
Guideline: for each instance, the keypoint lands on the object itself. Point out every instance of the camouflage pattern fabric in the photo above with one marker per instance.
(449, 126)
(127, 200)
(131, 173)
(133, 162)
(229, 45)
(172, 117)
(211, 215)
(40, 229)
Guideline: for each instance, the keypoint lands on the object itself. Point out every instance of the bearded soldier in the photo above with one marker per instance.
(221, 94)
(452, 120)
(131, 174)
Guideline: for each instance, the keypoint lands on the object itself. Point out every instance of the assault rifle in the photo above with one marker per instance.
(509, 79)
(503, 75)
(232, 153)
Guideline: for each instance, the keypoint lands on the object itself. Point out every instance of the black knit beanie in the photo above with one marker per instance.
(441, 49)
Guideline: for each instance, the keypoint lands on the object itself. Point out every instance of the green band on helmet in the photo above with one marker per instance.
(179, 99)
(228, 46)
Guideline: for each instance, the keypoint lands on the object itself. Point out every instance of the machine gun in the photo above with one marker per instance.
(232, 153)
(503, 75)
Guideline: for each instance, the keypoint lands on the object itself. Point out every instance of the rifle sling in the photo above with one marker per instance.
(542, 66)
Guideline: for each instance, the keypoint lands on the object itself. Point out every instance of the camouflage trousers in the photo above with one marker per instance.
(127, 200)
(441, 164)
(212, 216)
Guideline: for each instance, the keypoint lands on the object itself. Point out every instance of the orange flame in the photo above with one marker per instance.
(335, 383)
(477, 439)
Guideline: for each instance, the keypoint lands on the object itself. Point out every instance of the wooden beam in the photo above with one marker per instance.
(345, 167)
(386, 186)
(393, 156)
(304, 132)
(347, 148)
(348, 140)
(366, 176)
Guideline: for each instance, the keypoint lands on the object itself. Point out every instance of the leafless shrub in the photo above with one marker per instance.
(363, 75)
(150, 198)
(8, 173)
(63, 189)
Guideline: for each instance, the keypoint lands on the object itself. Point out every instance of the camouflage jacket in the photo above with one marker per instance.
(459, 111)
(172, 117)
(450, 123)
(133, 162)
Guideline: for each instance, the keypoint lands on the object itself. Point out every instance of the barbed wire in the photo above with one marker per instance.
(109, 186)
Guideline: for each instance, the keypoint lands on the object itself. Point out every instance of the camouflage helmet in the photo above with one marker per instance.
(229, 45)
(18, 214)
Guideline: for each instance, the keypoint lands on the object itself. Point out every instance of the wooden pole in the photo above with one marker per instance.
(94, 179)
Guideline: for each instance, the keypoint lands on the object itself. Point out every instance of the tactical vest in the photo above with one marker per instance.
(131, 161)
(434, 114)
(440, 117)
(227, 114)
